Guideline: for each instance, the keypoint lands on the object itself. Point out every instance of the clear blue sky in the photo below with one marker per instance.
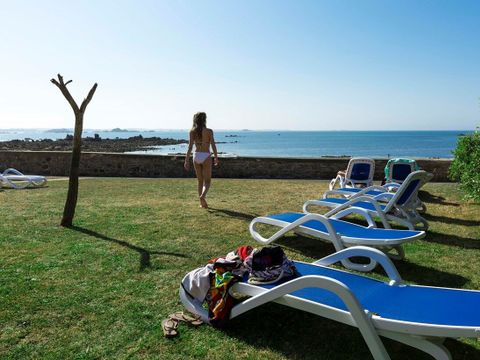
(270, 64)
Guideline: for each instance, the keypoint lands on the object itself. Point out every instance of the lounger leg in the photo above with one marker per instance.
(432, 346)
(424, 224)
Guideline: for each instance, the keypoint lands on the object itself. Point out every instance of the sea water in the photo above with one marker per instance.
(413, 144)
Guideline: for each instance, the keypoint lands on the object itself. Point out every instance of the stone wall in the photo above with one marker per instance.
(136, 165)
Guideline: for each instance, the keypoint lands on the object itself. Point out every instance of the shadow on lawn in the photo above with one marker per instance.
(452, 240)
(426, 197)
(231, 213)
(144, 253)
(300, 335)
(413, 272)
(449, 220)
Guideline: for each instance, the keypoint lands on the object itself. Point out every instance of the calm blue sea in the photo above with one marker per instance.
(415, 144)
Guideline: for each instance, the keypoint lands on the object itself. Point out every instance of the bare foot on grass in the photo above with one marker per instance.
(203, 203)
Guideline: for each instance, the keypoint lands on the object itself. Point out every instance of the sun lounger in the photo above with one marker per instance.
(397, 170)
(373, 191)
(419, 316)
(400, 207)
(340, 233)
(359, 171)
(15, 179)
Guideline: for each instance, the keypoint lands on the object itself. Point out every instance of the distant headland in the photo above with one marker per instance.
(94, 144)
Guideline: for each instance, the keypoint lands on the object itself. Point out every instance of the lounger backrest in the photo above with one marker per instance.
(397, 170)
(409, 189)
(401, 171)
(360, 170)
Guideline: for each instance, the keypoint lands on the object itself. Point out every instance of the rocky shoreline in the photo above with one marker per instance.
(93, 144)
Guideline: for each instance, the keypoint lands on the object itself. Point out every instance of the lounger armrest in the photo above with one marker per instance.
(392, 185)
(368, 252)
(328, 193)
(193, 305)
(385, 196)
(351, 202)
(338, 179)
(367, 189)
(289, 227)
(354, 195)
(11, 171)
(359, 211)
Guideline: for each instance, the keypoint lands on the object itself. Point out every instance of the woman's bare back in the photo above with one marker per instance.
(203, 144)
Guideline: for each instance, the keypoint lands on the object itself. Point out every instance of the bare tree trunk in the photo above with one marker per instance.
(72, 195)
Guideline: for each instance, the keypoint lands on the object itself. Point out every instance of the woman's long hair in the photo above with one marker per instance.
(199, 123)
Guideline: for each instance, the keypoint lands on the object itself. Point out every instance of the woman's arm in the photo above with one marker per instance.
(214, 149)
(186, 164)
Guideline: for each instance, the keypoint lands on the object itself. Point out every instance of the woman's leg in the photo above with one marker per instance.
(199, 173)
(207, 180)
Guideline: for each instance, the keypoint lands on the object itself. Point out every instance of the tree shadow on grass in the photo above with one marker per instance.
(452, 240)
(300, 335)
(409, 271)
(449, 220)
(232, 213)
(429, 198)
(144, 253)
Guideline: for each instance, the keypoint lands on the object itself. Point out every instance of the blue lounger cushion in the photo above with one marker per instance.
(350, 230)
(357, 190)
(416, 304)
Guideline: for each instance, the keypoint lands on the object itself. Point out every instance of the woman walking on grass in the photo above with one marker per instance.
(202, 158)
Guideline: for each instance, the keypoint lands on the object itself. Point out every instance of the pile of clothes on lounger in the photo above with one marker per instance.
(212, 282)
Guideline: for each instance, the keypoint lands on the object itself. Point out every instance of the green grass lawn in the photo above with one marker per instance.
(101, 289)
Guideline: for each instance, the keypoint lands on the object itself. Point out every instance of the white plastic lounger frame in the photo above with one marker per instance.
(423, 336)
(391, 180)
(349, 180)
(400, 208)
(391, 187)
(339, 242)
(15, 179)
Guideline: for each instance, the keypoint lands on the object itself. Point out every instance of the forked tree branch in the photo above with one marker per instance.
(86, 101)
(63, 88)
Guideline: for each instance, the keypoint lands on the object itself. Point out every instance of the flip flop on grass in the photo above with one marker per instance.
(189, 319)
(169, 327)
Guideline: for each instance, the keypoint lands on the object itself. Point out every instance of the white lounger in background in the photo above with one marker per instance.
(359, 171)
(372, 191)
(15, 179)
(419, 316)
(399, 207)
(340, 233)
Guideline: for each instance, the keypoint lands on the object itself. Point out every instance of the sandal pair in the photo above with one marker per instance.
(170, 325)
(193, 320)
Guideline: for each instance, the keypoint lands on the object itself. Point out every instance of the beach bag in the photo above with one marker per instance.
(268, 265)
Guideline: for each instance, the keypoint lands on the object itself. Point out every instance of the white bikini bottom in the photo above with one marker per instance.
(199, 156)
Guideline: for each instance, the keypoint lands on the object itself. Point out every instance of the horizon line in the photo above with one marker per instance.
(220, 129)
